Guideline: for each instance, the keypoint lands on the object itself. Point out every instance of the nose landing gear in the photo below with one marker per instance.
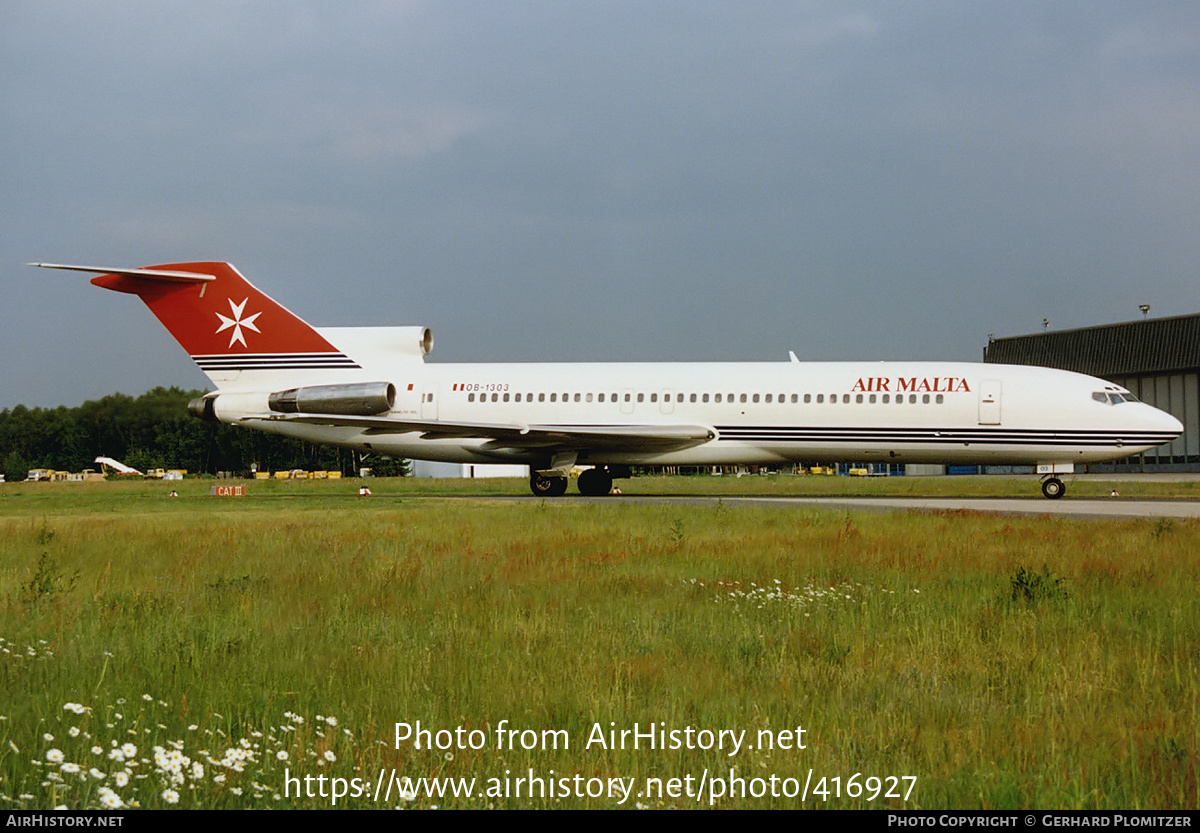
(1053, 488)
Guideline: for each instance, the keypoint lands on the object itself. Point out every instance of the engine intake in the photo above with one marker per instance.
(365, 399)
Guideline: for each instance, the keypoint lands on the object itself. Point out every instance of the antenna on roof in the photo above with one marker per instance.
(1145, 308)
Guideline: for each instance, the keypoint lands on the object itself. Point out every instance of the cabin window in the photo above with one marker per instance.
(588, 398)
(754, 398)
(679, 397)
(912, 399)
(704, 398)
(742, 398)
(886, 399)
(506, 397)
(692, 398)
(925, 399)
(717, 398)
(470, 397)
(554, 397)
(541, 397)
(577, 398)
(654, 397)
(858, 399)
(940, 399)
(641, 397)
(820, 398)
(807, 398)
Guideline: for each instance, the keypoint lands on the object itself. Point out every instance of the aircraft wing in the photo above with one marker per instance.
(511, 435)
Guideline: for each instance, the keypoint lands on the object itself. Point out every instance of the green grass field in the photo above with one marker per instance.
(232, 652)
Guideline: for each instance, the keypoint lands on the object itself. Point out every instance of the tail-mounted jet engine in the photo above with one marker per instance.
(362, 399)
(365, 399)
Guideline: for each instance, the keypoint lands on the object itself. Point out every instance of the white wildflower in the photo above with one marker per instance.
(110, 799)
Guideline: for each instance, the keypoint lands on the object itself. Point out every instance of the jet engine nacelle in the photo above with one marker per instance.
(386, 344)
(362, 399)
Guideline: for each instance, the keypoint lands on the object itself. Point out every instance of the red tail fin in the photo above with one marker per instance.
(222, 316)
(223, 322)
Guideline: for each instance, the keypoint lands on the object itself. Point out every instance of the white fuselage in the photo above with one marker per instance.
(768, 413)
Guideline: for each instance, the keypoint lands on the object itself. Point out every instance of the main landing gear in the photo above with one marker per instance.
(547, 485)
(1053, 488)
(594, 482)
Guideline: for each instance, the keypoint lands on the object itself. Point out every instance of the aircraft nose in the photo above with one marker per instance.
(1162, 421)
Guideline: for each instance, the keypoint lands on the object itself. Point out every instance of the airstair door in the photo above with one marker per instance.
(989, 402)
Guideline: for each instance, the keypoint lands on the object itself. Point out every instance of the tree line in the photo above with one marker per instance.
(154, 430)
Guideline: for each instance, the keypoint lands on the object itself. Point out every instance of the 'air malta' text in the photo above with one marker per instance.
(938, 384)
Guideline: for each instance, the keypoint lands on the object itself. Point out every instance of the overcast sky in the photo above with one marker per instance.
(604, 181)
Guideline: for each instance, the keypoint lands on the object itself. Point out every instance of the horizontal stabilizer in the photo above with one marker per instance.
(150, 274)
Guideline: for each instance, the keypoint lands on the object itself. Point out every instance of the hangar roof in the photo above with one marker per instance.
(1153, 345)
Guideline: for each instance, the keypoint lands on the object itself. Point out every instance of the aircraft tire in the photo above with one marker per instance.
(1053, 488)
(595, 482)
(547, 485)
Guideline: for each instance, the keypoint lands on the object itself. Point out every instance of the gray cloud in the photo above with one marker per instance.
(607, 180)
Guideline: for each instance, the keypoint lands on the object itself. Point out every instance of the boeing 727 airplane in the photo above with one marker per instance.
(370, 389)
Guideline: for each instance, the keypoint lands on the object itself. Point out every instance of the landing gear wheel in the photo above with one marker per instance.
(547, 485)
(595, 482)
(1053, 488)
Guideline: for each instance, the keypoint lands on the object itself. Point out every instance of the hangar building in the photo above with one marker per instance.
(1157, 359)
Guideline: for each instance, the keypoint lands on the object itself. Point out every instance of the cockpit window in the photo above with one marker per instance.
(1110, 398)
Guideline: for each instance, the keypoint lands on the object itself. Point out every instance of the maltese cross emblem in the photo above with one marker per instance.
(238, 322)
